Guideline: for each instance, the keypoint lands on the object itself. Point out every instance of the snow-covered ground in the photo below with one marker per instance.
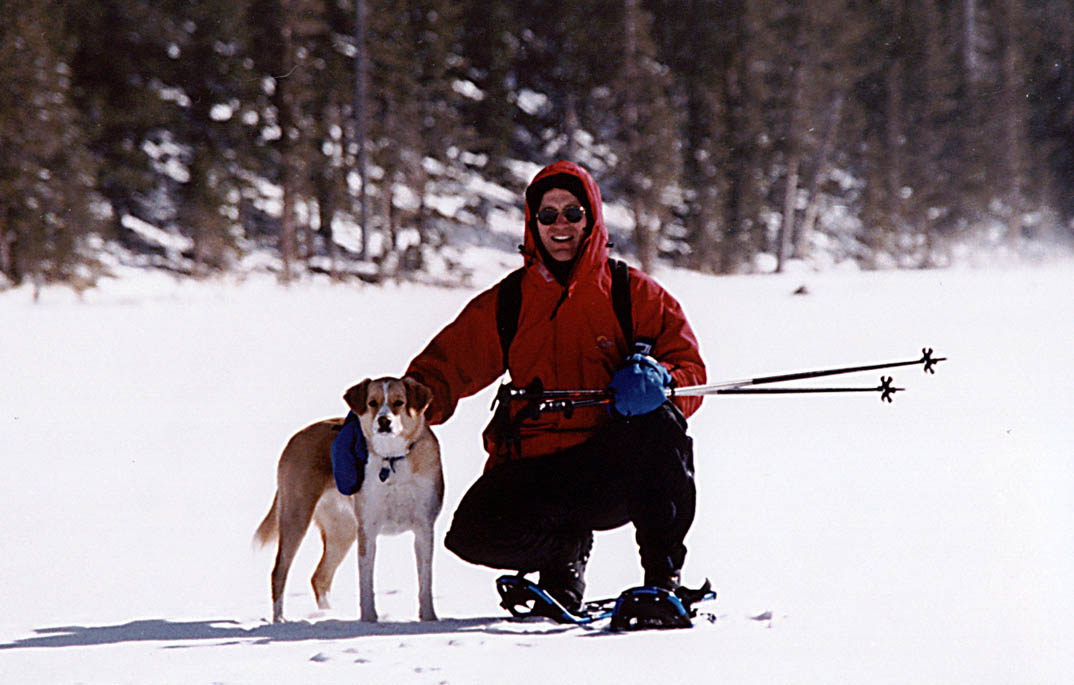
(928, 541)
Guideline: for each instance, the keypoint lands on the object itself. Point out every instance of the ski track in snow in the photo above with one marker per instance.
(927, 541)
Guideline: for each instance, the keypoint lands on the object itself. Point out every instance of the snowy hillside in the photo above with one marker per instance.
(927, 541)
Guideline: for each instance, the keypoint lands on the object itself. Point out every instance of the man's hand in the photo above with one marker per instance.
(638, 386)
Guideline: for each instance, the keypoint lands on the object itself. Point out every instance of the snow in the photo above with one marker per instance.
(173, 242)
(468, 89)
(927, 541)
(531, 102)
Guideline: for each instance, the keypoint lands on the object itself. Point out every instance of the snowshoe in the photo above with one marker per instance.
(648, 606)
(524, 599)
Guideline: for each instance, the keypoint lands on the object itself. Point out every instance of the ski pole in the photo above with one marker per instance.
(540, 400)
(926, 359)
(886, 390)
(567, 401)
(535, 392)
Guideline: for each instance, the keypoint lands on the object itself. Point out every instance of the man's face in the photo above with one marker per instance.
(562, 237)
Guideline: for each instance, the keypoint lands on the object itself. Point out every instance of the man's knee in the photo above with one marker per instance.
(517, 549)
(465, 545)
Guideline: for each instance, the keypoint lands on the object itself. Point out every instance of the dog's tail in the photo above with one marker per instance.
(269, 529)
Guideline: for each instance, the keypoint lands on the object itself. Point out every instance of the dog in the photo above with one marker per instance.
(403, 490)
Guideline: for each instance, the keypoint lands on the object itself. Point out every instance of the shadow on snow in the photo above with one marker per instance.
(231, 632)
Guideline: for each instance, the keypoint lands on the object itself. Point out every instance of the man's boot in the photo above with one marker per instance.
(672, 582)
(566, 582)
(667, 579)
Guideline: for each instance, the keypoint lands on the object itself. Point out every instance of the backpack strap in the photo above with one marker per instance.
(508, 309)
(621, 299)
(509, 306)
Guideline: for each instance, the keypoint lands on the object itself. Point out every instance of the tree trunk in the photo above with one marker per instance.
(326, 210)
(631, 117)
(929, 148)
(287, 236)
(570, 126)
(795, 122)
(285, 120)
(1014, 119)
(745, 233)
(360, 60)
(820, 172)
(970, 60)
(895, 137)
(790, 196)
(7, 259)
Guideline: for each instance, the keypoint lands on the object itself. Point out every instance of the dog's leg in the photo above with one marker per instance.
(338, 536)
(295, 515)
(285, 554)
(423, 551)
(367, 553)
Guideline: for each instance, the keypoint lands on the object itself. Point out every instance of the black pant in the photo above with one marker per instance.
(532, 514)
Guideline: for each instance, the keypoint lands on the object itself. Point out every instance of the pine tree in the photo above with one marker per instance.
(884, 165)
(46, 175)
(116, 87)
(206, 68)
(330, 108)
(932, 109)
(822, 42)
(489, 45)
(284, 35)
(643, 128)
(1015, 117)
(1050, 93)
(748, 95)
(698, 40)
(414, 110)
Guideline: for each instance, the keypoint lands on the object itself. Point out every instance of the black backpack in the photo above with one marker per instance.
(509, 305)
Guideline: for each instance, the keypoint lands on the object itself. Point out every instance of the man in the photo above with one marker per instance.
(551, 480)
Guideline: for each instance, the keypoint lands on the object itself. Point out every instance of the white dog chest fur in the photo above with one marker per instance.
(389, 506)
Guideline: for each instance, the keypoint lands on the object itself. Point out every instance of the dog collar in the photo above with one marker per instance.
(389, 467)
(389, 463)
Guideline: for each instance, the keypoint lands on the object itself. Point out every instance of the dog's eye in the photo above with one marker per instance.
(373, 404)
(398, 404)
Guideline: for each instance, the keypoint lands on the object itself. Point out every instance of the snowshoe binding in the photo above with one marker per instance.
(649, 606)
(525, 599)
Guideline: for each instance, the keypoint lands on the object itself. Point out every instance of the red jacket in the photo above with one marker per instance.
(568, 337)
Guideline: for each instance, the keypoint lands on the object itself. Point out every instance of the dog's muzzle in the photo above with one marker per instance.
(384, 424)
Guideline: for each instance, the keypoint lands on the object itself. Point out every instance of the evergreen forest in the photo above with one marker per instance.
(373, 139)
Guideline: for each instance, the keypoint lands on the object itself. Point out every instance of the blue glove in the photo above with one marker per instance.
(349, 456)
(638, 386)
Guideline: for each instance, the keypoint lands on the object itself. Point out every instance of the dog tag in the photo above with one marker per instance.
(389, 467)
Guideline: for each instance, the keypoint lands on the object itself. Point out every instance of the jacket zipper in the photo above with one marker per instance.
(562, 299)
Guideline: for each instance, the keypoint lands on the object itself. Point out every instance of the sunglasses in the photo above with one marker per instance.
(548, 216)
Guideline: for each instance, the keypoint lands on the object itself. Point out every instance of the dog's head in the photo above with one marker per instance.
(391, 411)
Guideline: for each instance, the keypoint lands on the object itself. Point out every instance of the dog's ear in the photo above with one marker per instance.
(356, 397)
(418, 396)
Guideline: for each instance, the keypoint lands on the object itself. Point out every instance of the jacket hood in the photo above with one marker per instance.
(593, 252)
